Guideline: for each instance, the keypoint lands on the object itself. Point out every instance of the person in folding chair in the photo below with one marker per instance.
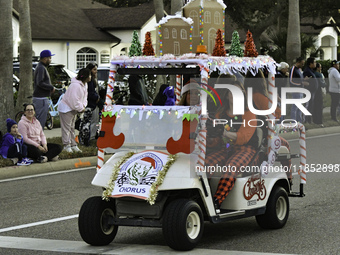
(239, 143)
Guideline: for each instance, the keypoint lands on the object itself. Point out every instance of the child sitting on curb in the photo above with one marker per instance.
(12, 144)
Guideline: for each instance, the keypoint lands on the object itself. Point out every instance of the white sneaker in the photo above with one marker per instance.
(67, 148)
(76, 149)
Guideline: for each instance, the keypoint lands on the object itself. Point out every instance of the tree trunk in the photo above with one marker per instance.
(293, 32)
(26, 81)
(6, 64)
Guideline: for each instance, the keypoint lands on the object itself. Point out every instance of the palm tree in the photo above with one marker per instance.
(26, 85)
(293, 33)
(6, 63)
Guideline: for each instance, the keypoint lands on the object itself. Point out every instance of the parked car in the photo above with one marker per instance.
(58, 73)
(102, 75)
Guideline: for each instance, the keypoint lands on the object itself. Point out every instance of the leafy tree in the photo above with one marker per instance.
(235, 48)
(135, 48)
(219, 49)
(148, 49)
(255, 16)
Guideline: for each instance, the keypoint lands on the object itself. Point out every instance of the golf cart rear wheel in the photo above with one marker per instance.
(277, 210)
(95, 221)
(183, 224)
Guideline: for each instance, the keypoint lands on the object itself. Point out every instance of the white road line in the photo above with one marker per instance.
(38, 223)
(35, 244)
(47, 174)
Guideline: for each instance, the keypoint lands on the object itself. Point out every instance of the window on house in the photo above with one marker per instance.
(194, 16)
(84, 56)
(104, 57)
(176, 49)
(166, 33)
(174, 33)
(184, 34)
(217, 18)
(207, 17)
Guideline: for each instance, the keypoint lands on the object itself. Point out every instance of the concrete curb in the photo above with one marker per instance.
(37, 168)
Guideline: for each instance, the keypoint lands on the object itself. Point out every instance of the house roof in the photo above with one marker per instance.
(65, 20)
(314, 26)
(121, 18)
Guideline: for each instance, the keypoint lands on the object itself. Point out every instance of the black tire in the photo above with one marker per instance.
(95, 221)
(18, 116)
(277, 210)
(49, 121)
(183, 224)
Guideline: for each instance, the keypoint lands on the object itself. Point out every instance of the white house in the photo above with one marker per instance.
(81, 31)
(327, 37)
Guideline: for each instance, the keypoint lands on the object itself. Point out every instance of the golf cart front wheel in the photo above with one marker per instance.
(277, 210)
(95, 221)
(183, 224)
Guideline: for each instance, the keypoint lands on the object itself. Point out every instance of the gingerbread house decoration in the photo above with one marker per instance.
(207, 16)
(175, 34)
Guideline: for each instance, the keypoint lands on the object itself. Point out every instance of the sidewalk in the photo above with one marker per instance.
(67, 164)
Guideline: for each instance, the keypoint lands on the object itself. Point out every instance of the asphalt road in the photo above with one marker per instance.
(312, 227)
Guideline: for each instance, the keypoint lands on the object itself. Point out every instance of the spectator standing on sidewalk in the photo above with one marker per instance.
(334, 87)
(318, 98)
(35, 139)
(89, 123)
(43, 87)
(73, 102)
(12, 144)
(281, 77)
(296, 80)
(312, 87)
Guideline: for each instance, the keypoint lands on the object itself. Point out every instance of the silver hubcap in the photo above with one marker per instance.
(281, 208)
(105, 219)
(193, 225)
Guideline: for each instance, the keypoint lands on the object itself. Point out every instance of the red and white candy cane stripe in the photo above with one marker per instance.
(202, 141)
(110, 85)
(303, 153)
(100, 159)
(178, 88)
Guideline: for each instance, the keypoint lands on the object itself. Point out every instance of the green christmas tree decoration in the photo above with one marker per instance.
(148, 49)
(235, 48)
(135, 48)
(219, 50)
(250, 48)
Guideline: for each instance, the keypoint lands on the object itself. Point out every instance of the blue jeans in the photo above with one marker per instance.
(295, 112)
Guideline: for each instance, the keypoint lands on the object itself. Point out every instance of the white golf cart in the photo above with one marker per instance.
(156, 176)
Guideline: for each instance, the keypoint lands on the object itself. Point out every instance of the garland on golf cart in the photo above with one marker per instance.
(153, 190)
